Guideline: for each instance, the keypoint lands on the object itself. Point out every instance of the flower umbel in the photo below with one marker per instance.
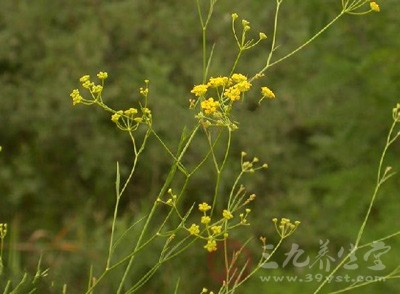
(285, 228)
(194, 229)
(227, 214)
(203, 207)
(97, 89)
(218, 82)
(216, 229)
(209, 106)
(267, 93)
(199, 90)
(115, 117)
(76, 97)
(85, 78)
(102, 75)
(211, 245)
(205, 220)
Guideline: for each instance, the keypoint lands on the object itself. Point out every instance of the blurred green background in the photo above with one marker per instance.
(322, 137)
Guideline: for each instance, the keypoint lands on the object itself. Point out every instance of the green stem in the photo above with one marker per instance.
(219, 170)
(262, 261)
(236, 61)
(268, 65)
(119, 193)
(380, 180)
(278, 4)
(162, 192)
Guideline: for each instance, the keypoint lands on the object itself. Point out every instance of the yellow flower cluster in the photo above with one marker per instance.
(218, 82)
(285, 228)
(249, 166)
(205, 219)
(353, 7)
(131, 111)
(233, 86)
(116, 116)
(172, 202)
(374, 6)
(243, 216)
(209, 106)
(267, 93)
(228, 89)
(237, 78)
(129, 119)
(95, 90)
(199, 90)
(227, 214)
(243, 43)
(203, 207)
(194, 229)
(76, 97)
(102, 75)
(213, 231)
(240, 86)
(130, 115)
(211, 245)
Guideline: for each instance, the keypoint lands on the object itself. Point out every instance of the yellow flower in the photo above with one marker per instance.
(209, 106)
(243, 86)
(237, 78)
(131, 111)
(204, 207)
(285, 228)
(76, 97)
(211, 245)
(233, 93)
(115, 117)
(102, 75)
(194, 229)
(262, 36)
(84, 78)
(87, 84)
(205, 220)
(97, 89)
(216, 229)
(199, 90)
(227, 214)
(146, 110)
(266, 92)
(218, 82)
(374, 6)
(144, 91)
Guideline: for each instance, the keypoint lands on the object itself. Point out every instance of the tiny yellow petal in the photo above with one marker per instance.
(374, 6)
(267, 92)
(227, 214)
